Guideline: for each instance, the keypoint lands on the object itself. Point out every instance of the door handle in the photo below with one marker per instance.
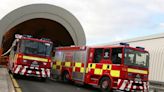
(90, 65)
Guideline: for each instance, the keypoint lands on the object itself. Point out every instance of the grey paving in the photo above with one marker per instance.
(5, 81)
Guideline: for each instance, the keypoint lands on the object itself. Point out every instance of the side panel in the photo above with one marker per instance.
(79, 65)
(57, 64)
(99, 65)
(73, 61)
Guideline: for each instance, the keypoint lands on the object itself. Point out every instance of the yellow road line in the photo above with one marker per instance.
(18, 90)
(11, 76)
(15, 83)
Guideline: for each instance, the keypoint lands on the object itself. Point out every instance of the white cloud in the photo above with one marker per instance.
(161, 25)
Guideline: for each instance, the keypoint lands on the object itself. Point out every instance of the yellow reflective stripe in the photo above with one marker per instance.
(68, 64)
(92, 65)
(82, 70)
(115, 73)
(54, 67)
(73, 69)
(86, 70)
(106, 67)
(137, 71)
(58, 63)
(98, 71)
(78, 64)
(35, 58)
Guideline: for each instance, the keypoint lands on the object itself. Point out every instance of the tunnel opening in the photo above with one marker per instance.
(39, 28)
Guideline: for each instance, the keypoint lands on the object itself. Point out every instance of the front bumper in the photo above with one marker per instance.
(31, 71)
(132, 86)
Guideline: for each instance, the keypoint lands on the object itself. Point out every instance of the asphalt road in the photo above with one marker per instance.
(34, 85)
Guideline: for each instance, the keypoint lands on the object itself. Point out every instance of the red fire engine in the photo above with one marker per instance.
(110, 67)
(30, 56)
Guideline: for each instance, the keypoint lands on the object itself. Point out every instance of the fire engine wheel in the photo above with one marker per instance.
(15, 75)
(65, 77)
(43, 79)
(9, 71)
(105, 84)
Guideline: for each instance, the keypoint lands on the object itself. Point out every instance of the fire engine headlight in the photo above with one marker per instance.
(44, 63)
(24, 61)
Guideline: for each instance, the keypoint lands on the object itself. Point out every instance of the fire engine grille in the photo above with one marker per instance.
(77, 75)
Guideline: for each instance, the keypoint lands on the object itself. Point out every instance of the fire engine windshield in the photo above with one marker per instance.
(136, 58)
(37, 48)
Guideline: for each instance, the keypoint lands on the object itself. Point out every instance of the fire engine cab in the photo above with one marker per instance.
(30, 56)
(109, 67)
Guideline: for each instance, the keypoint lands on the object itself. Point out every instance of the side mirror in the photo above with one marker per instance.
(15, 48)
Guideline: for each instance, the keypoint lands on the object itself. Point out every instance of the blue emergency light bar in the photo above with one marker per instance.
(125, 44)
(45, 39)
(29, 36)
(142, 48)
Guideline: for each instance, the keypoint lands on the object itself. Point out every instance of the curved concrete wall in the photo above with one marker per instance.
(46, 11)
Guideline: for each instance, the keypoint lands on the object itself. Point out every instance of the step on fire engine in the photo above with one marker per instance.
(110, 67)
(30, 56)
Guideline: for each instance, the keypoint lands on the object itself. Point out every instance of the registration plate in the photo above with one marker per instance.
(34, 64)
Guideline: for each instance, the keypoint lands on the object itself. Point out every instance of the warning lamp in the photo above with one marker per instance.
(125, 44)
(45, 39)
(49, 60)
(28, 36)
(142, 48)
(20, 56)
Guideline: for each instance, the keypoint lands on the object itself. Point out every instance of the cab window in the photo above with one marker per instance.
(98, 55)
(116, 55)
(106, 54)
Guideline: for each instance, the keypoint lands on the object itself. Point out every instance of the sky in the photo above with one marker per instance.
(106, 21)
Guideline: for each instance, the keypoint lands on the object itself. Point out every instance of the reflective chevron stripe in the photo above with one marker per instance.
(127, 85)
(26, 70)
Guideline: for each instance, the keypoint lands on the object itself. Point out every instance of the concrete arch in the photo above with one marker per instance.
(45, 11)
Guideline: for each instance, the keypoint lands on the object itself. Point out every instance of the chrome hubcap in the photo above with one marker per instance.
(105, 84)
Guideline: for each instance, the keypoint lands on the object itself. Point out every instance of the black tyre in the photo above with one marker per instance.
(15, 75)
(105, 84)
(65, 77)
(43, 79)
(9, 71)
